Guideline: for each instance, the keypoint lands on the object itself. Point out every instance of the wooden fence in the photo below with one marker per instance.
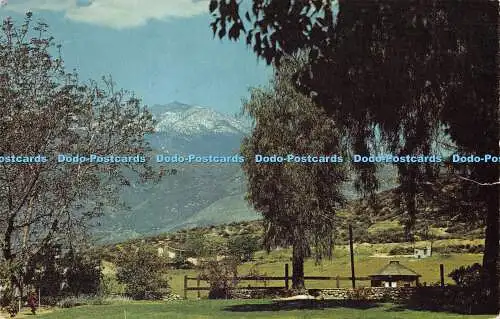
(285, 279)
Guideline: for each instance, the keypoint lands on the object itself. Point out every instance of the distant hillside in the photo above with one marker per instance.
(175, 201)
(197, 195)
(381, 222)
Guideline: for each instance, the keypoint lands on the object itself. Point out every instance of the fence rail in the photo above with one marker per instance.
(286, 280)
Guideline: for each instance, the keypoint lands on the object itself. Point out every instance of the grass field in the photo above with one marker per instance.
(365, 264)
(368, 259)
(204, 309)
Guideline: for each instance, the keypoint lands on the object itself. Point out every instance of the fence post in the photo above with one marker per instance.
(185, 286)
(287, 286)
(338, 281)
(351, 246)
(441, 274)
(198, 286)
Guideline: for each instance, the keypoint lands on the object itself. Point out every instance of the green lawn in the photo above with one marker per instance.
(240, 309)
(365, 263)
(273, 265)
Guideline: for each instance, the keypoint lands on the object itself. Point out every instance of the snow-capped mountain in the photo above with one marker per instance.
(197, 195)
(178, 119)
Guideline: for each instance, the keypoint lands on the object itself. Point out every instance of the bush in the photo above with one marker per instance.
(110, 285)
(400, 250)
(461, 248)
(181, 262)
(468, 276)
(83, 274)
(9, 301)
(220, 275)
(474, 279)
(143, 273)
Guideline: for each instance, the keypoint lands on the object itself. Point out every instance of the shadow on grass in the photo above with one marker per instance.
(301, 304)
(443, 309)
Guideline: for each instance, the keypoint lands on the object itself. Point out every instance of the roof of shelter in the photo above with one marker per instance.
(394, 268)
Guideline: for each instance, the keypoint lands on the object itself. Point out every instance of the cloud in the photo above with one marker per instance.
(117, 14)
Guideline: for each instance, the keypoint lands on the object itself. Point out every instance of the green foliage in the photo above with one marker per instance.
(398, 250)
(204, 245)
(48, 111)
(468, 276)
(111, 286)
(220, 275)
(143, 272)
(83, 274)
(9, 301)
(298, 201)
(180, 262)
(423, 74)
(243, 247)
(195, 245)
(79, 270)
(475, 279)
(45, 270)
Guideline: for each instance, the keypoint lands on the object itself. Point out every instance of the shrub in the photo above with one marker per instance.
(9, 302)
(143, 274)
(220, 275)
(474, 279)
(181, 262)
(400, 250)
(111, 286)
(83, 273)
(467, 276)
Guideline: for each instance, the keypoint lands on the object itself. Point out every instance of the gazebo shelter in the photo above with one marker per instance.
(394, 275)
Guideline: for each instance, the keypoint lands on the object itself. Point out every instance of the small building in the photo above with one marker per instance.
(394, 275)
(422, 252)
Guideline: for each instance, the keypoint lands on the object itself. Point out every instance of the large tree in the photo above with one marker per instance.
(297, 200)
(408, 69)
(46, 111)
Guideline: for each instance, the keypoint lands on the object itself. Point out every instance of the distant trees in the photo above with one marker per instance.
(143, 273)
(46, 111)
(243, 247)
(204, 245)
(297, 200)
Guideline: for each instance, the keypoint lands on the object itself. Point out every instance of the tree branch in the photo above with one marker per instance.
(479, 183)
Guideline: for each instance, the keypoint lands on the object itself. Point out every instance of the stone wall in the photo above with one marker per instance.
(368, 293)
(259, 293)
(397, 294)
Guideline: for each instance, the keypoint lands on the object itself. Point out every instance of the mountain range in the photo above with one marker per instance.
(196, 195)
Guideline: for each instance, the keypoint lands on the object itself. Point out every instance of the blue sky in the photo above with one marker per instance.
(163, 50)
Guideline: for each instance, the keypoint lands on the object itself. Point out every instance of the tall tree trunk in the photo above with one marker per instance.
(491, 247)
(298, 267)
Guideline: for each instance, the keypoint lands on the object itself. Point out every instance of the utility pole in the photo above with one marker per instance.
(351, 246)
